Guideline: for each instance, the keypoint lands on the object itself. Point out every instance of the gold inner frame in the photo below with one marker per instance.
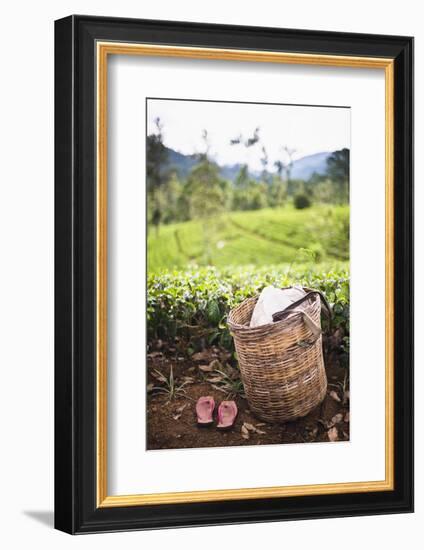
(104, 49)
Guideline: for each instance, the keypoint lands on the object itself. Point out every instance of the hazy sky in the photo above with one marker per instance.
(308, 130)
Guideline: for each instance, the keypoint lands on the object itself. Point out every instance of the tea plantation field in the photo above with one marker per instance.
(262, 237)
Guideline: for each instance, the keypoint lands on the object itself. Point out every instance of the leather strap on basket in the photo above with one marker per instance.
(310, 323)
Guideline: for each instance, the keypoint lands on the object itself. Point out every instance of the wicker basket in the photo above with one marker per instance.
(281, 363)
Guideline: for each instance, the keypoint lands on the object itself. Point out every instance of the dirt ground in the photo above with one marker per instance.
(175, 382)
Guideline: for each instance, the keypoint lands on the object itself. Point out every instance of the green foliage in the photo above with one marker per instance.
(169, 386)
(333, 227)
(277, 192)
(242, 179)
(338, 172)
(231, 386)
(156, 158)
(205, 192)
(157, 173)
(323, 191)
(301, 200)
(253, 196)
(193, 304)
(168, 199)
(213, 313)
(294, 187)
(206, 201)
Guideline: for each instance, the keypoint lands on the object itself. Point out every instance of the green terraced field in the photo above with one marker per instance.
(261, 237)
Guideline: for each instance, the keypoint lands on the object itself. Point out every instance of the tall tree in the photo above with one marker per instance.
(242, 180)
(288, 165)
(279, 166)
(264, 161)
(206, 196)
(285, 165)
(338, 172)
(156, 171)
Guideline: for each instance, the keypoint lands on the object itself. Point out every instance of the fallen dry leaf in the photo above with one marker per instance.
(249, 427)
(334, 395)
(346, 396)
(215, 379)
(215, 365)
(205, 368)
(158, 375)
(333, 434)
(218, 388)
(150, 387)
(201, 356)
(347, 417)
(180, 409)
(244, 432)
(176, 416)
(155, 354)
(336, 419)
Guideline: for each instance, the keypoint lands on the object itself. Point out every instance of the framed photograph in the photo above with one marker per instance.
(234, 274)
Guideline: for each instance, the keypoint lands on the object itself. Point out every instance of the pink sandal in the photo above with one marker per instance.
(204, 409)
(227, 413)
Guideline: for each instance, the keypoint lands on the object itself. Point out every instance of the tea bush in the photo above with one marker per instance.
(194, 304)
(301, 201)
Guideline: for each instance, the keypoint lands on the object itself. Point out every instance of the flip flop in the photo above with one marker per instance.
(204, 409)
(227, 413)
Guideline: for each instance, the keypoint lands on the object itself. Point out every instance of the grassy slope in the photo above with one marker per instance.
(262, 237)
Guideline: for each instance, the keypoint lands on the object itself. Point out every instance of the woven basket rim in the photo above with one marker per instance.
(268, 327)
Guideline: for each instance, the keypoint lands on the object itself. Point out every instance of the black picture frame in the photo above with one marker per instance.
(76, 510)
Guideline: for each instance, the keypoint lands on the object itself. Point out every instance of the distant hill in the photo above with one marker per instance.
(302, 168)
(181, 163)
(306, 166)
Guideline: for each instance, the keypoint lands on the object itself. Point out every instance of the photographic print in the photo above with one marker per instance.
(233, 274)
(248, 273)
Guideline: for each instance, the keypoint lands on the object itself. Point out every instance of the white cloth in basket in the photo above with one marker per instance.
(272, 300)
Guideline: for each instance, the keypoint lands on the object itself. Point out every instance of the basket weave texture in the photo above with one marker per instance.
(281, 363)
